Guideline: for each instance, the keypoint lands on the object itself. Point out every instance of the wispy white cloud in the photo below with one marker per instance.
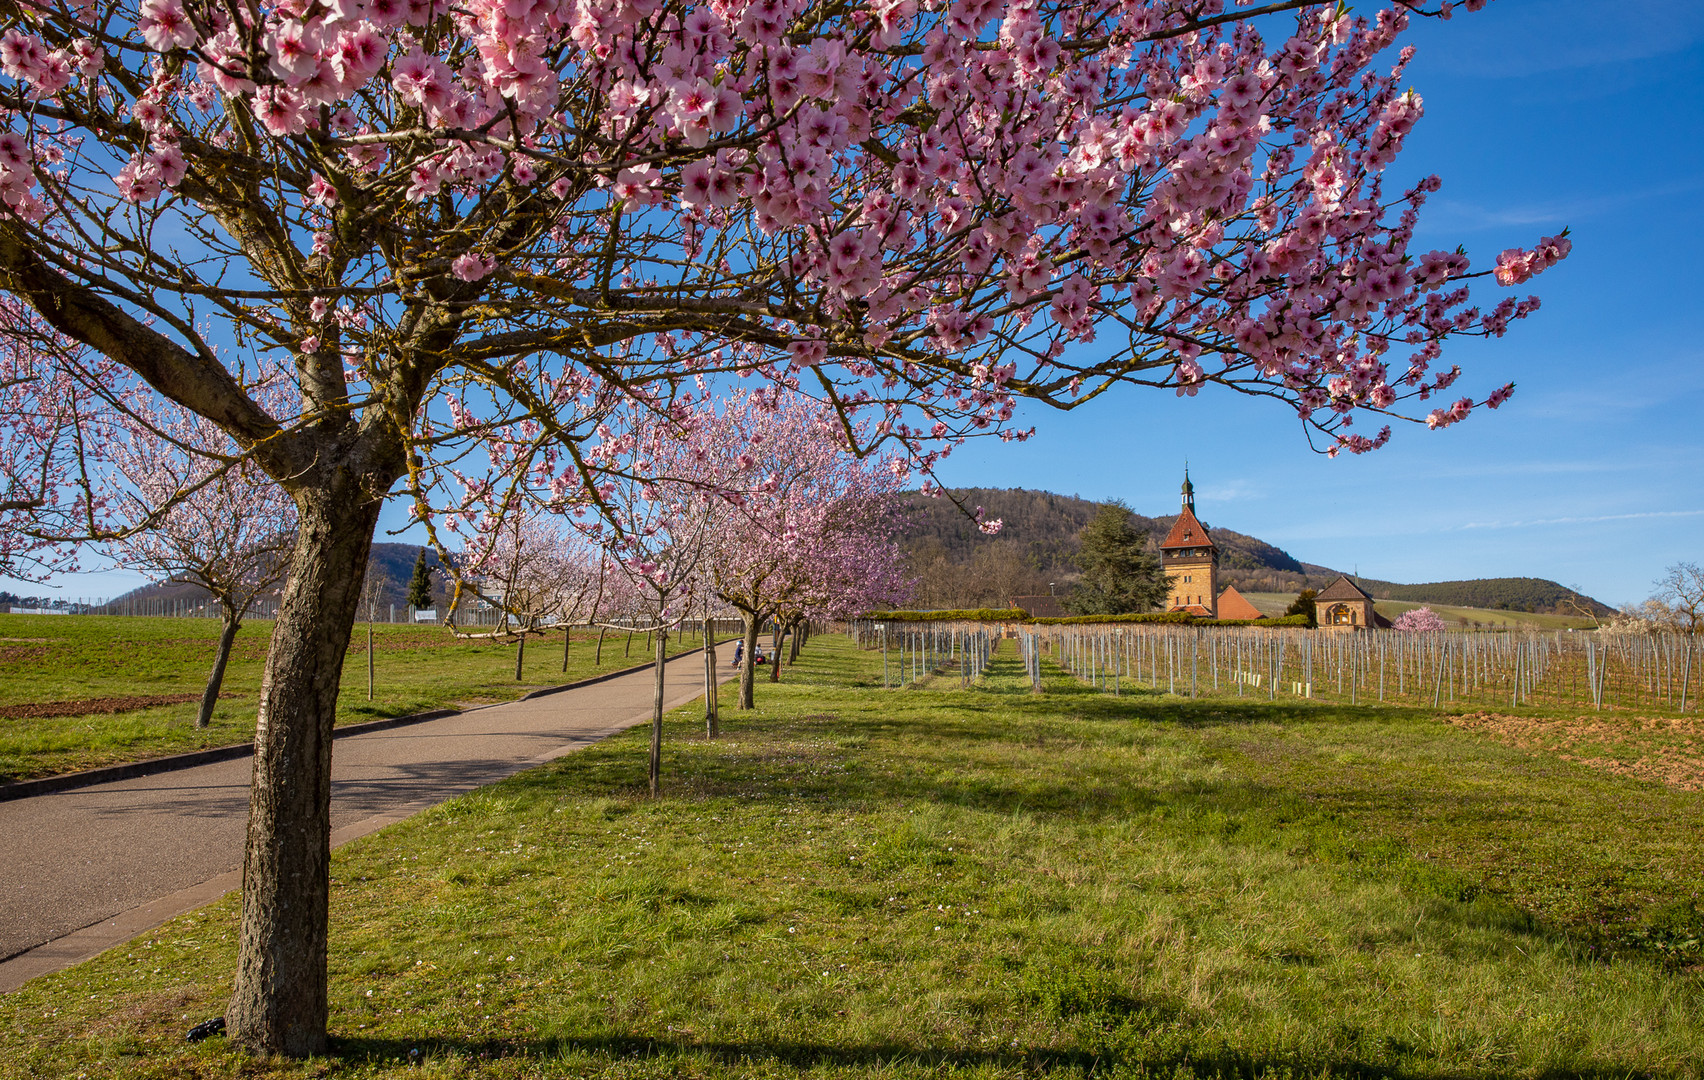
(1586, 519)
(1234, 490)
(1456, 216)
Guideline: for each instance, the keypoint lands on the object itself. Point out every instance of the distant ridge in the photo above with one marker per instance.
(959, 566)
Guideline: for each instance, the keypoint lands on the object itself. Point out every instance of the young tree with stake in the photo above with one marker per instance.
(492, 218)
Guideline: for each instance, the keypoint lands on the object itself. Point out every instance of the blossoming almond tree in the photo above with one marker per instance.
(925, 210)
(796, 524)
(538, 575)
(1420, 620)
(181, 500)
(50, 417)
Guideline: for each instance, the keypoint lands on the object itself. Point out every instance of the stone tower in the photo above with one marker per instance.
(1191, 562)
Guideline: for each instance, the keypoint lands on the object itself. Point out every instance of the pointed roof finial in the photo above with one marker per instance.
(1188, 489)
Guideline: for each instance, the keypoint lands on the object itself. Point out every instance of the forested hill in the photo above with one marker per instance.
(959, 566)
(1504, 594)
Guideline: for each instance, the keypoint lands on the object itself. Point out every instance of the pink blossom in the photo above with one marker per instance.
(165, 26)
(279, 109)
(472, 266)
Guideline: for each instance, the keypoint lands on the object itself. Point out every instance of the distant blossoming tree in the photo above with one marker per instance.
(50, 415)
(1420, 620)
(803, 528)
(183, 501)
(539, 576)
(464, 220)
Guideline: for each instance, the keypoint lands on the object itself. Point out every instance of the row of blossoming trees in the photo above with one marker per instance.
(471, 235)
(752, 503)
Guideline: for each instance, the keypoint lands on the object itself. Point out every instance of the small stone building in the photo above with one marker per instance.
(1343, 604)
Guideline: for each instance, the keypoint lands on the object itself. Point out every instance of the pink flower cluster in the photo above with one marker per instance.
(907, 200)
(1515, 265)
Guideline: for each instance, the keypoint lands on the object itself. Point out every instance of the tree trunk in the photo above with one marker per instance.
(657, 719)
(567, 640)
(775, 653)
(627, 650)
(278, 1005)
(793, 649)
(748, 663)
(711, 720)
(520, 656)
(598, 659)
(369, 659)
(216, 679)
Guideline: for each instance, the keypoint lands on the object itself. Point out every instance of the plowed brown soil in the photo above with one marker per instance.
(1664, 750)
(101, 706)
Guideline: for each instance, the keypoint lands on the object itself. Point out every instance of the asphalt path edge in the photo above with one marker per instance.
(47, 785)
(89, 941)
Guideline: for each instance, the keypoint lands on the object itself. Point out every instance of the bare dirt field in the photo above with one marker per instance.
(1663, 750)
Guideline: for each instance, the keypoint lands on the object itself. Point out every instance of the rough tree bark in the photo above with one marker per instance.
(216, 679)
(712, 722)
(520, 656)
(748, 663)
(278, 1005)
(775, 653)
(657, 718)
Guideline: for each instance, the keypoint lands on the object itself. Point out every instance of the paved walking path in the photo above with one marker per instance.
(83, 870)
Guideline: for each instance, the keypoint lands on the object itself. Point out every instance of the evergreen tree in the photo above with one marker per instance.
(1120, 574)
(1304, 604)
(420, 585)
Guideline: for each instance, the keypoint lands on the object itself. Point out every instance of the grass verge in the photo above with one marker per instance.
(985, 883)
(416, 668)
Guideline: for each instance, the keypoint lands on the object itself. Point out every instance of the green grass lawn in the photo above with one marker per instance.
(985, 883)
(416, 668)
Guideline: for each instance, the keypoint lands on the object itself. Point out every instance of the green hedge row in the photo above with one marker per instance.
(968, 615)
(1175, 617)
(1178, 618)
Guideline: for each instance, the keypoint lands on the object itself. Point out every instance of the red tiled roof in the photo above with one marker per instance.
(1187, 532)
(1233, 606)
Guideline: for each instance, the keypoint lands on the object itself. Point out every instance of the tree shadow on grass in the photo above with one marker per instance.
(980, 744)
(1092, 788)
(806, 1057)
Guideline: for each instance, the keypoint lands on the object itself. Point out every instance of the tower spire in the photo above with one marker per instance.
(1188, 490)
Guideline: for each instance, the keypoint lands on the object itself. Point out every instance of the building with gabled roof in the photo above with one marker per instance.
(1345, 605)
(1191, 562)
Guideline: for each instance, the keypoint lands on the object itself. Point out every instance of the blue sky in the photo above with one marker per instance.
(1539, 114)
